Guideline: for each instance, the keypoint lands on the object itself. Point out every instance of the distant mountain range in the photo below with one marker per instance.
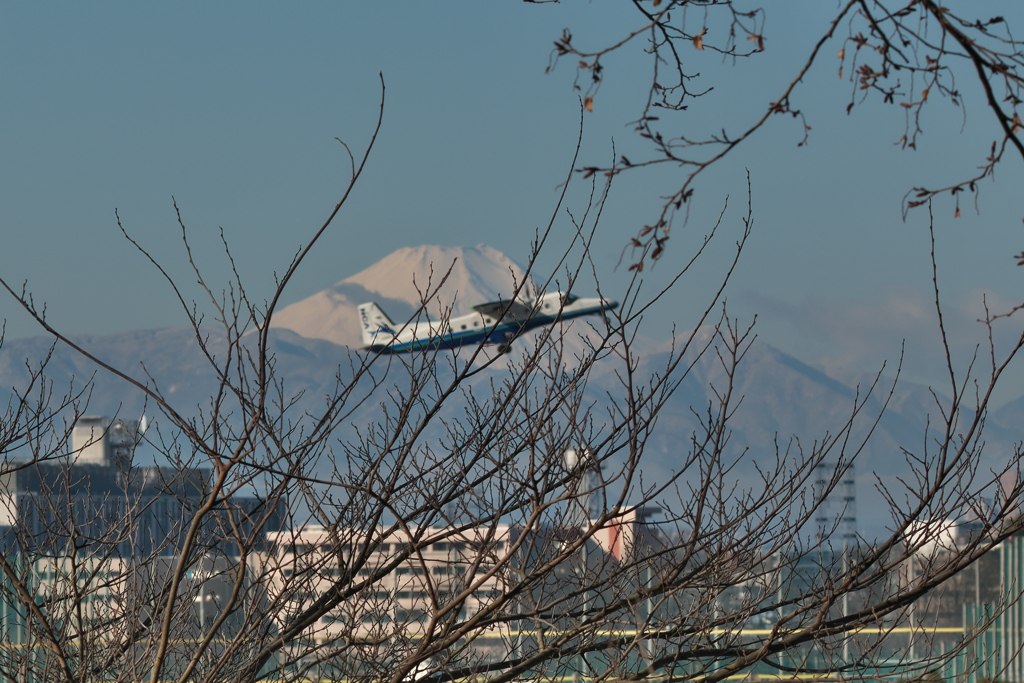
(315, 340)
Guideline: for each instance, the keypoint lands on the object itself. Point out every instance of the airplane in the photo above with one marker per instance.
(496, 322)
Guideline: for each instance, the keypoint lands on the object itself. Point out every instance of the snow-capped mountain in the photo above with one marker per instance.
(461, 276)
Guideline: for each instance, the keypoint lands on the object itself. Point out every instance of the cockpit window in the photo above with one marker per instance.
(568, 299)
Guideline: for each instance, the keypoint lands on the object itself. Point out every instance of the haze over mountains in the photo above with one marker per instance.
(315, 340)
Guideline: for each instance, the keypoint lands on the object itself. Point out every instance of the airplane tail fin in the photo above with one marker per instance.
(377, 328)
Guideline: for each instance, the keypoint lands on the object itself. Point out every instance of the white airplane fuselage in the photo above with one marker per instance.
(491, 323)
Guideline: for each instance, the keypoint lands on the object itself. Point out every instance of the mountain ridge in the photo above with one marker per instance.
(784, 403)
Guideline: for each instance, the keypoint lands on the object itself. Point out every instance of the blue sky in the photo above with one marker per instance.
(232, 109)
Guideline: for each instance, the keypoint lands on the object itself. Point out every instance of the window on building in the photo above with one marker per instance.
(411, 615)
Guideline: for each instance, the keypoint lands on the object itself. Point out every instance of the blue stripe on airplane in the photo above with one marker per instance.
(454, 340)
(496, 334)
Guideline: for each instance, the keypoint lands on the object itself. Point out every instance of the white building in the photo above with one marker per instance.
(391, 589)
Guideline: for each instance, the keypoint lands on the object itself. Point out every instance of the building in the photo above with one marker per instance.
(96, 500)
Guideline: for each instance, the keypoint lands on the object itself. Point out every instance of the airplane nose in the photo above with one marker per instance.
(609, 304)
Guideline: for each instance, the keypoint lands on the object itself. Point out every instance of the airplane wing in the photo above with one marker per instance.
(504, 310)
